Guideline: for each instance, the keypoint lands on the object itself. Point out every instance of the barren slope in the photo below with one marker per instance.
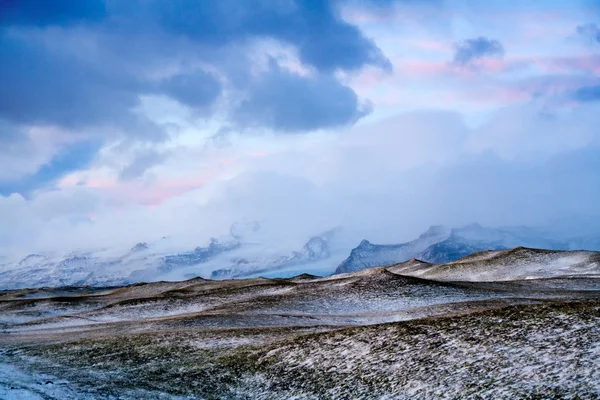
(376, 333)
(516, 264)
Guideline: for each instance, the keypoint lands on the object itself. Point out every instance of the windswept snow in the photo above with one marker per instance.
(516, 264)
(375, 333)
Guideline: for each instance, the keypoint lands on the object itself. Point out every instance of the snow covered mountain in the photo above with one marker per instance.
(441, 245)
(369, 255)
(247, 252)
(239, 254)
(314, 250)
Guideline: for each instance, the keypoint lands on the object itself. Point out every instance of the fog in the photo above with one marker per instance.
(386, 181)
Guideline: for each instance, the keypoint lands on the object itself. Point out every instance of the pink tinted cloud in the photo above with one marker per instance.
(134, 192)
(156, 194)
(472, 98)
(423, 68)
(429, 44)
(563, 65)
(495, 96)
(159, 190)
(405, 70)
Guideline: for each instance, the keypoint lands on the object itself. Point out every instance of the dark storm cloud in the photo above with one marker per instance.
(49, 84)
(50, 12)
(313, 26)
(474, 49)
(286, 101)
(52, 87)
(197, 89)
(83, 66)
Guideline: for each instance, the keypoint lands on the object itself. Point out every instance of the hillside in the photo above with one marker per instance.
(519, 263)
(315, 337)
(441, 245)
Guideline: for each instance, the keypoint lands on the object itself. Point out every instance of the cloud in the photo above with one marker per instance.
(331, 43)
(590, 32)
(72, 158)
(89, 88)
(587, 94)
(142, 161)
(49, 86)
(285, 101)
(197, 89)
(43, 13)
(528, 191)
(47, 82)
(323, 39)
(474, 49)
(9, 133)
(415, 169)
(532, 130)
(82, 67)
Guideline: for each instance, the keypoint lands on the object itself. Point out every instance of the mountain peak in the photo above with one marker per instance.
(140, 246)
(364, 243)
(435, 230)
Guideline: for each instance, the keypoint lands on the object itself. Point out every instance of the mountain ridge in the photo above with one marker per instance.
(441, 245)
(243, 254)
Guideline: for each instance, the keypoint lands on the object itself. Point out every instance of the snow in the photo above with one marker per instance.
(516, 264)
(16, 384)
(367, 334)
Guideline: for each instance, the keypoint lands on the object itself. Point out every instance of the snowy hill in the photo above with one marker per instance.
(441, 245)
(412, 338)
(519, 263)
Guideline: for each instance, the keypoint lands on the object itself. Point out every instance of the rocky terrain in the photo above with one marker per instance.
(454, 332)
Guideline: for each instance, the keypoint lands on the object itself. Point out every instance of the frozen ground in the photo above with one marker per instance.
(369, 334)
(16, 384)
(516, 264)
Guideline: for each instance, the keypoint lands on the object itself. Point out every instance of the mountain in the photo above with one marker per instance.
(239, 254)
(140, 247)
(455, 247)
(246, 251)
(315, 249)
(440, 245)
(367, 254)
(198, 256)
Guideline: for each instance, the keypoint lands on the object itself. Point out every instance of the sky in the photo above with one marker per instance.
(128, 121)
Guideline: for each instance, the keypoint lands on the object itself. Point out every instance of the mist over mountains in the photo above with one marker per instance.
(440, 245)
(245, 252)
